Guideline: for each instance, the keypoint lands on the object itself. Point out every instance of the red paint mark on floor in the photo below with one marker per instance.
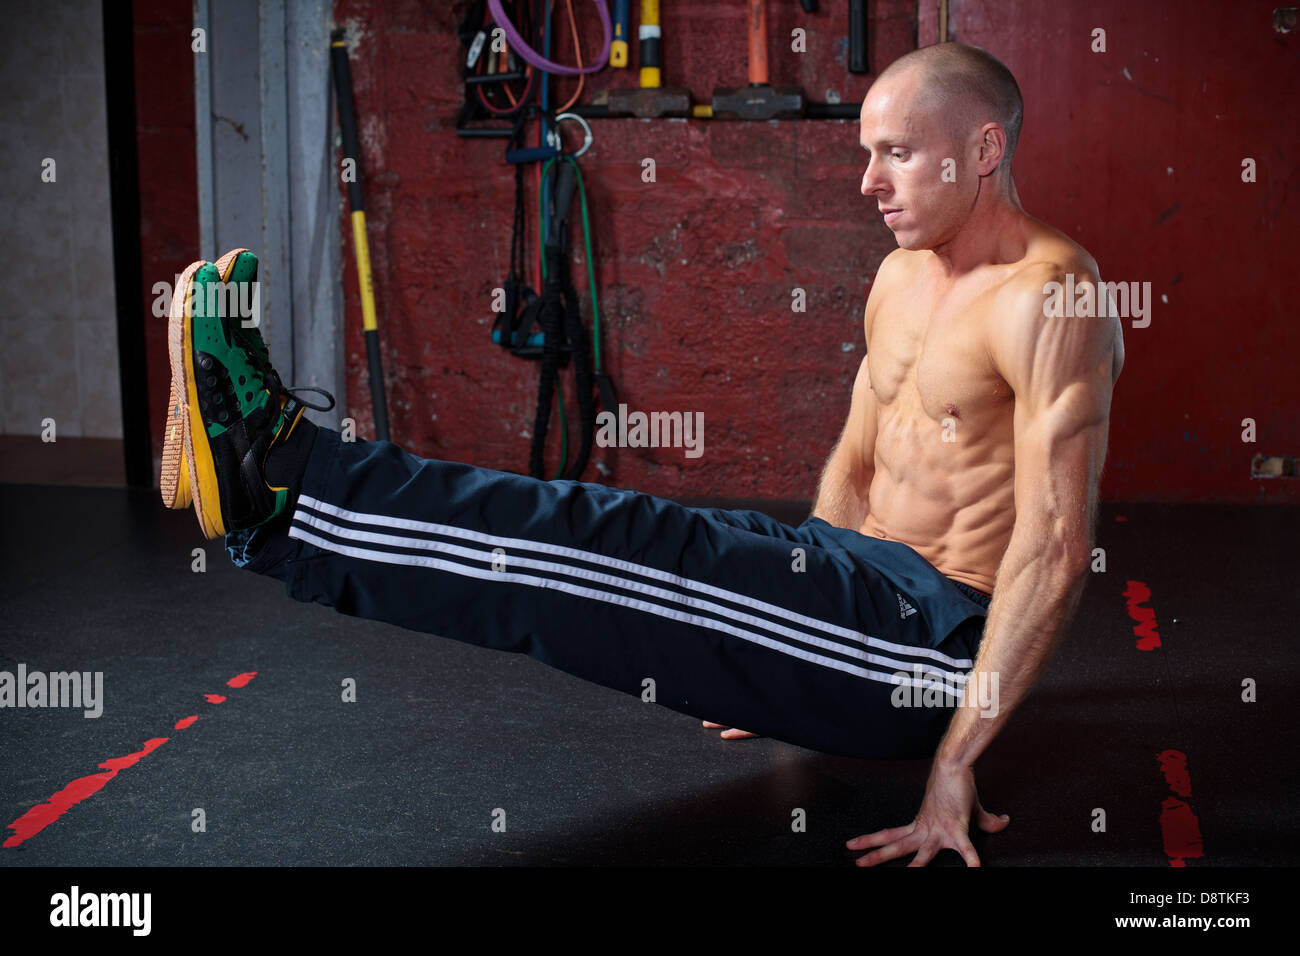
(1119, 518)
(1137, 594)
(1173, 764)
(43, 814)
(1179, 827)
(1181, 831)
(130, 760)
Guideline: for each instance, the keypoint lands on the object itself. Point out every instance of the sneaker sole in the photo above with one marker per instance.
(174, 481)
(196, 453)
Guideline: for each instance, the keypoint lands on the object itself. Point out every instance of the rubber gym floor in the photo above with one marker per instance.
(1121, 756)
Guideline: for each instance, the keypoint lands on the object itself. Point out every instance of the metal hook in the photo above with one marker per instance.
(586, 145)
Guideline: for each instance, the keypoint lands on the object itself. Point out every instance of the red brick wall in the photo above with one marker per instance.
(756, 209)
(694, 271)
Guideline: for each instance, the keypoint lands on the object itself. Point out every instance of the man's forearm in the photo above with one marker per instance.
(1034, 599)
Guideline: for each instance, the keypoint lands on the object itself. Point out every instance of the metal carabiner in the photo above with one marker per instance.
(555, 133)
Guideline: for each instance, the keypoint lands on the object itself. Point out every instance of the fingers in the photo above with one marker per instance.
(880, 837)
(968, 853)
(892, 851)
(989, 822)
(992, 824)
(924, 855)
(730, 733)
(900, 841)
(925, 851)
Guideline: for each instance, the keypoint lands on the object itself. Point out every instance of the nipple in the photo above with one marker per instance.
(951, 409)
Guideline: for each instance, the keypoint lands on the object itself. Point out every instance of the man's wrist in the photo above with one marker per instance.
(957, 751)
(951, 764)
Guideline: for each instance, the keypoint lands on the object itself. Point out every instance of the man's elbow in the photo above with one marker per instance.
(1069, 558)
(1075, 563)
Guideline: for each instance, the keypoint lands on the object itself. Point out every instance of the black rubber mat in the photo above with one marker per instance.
(445, 740)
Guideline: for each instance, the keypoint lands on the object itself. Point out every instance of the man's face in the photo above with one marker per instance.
(905, 169)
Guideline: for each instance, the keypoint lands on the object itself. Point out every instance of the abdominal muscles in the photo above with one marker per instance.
(950, 501)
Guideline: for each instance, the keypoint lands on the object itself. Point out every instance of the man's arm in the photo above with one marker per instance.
(842, 495)
(1061, 371)
(846, 479)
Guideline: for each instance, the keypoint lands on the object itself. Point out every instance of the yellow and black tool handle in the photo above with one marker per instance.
(618, 46)
(648, 32)
(352, 151)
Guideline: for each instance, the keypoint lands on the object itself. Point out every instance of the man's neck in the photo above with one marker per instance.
(994, 233)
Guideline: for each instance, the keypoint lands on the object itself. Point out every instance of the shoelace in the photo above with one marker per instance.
(260, 360)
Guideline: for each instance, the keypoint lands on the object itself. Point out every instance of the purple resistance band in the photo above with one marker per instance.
(536, 59)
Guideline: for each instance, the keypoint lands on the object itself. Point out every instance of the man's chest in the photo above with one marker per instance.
(928, 358)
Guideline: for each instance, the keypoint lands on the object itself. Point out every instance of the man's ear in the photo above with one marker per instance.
(992, 146)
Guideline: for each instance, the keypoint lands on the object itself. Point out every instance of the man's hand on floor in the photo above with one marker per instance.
(942, 823)
(730, 733)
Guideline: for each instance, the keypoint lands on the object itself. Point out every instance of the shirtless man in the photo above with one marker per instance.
(977, 431)
(969, 465)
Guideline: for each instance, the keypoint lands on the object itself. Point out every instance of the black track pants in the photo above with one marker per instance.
(815, 635)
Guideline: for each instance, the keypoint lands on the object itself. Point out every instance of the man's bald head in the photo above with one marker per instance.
(965, 86)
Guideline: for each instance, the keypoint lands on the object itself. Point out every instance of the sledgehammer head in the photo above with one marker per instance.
(650, 102)
(758, 102)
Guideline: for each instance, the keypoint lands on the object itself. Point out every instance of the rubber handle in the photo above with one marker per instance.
(858, 36)
(649, 34)
(347, 117)
(377, 385)
(622, 24)
(561, 199)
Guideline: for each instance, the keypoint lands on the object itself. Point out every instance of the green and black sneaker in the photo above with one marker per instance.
(238, 430)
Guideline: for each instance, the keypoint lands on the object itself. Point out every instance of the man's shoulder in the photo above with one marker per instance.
(896, 266)
(1050, 256)
(1051, 259)
(895, 272)
(1053, 265)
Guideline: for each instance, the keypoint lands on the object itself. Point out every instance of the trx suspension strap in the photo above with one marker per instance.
(512, 330)
(549, 327)
(561, 324)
